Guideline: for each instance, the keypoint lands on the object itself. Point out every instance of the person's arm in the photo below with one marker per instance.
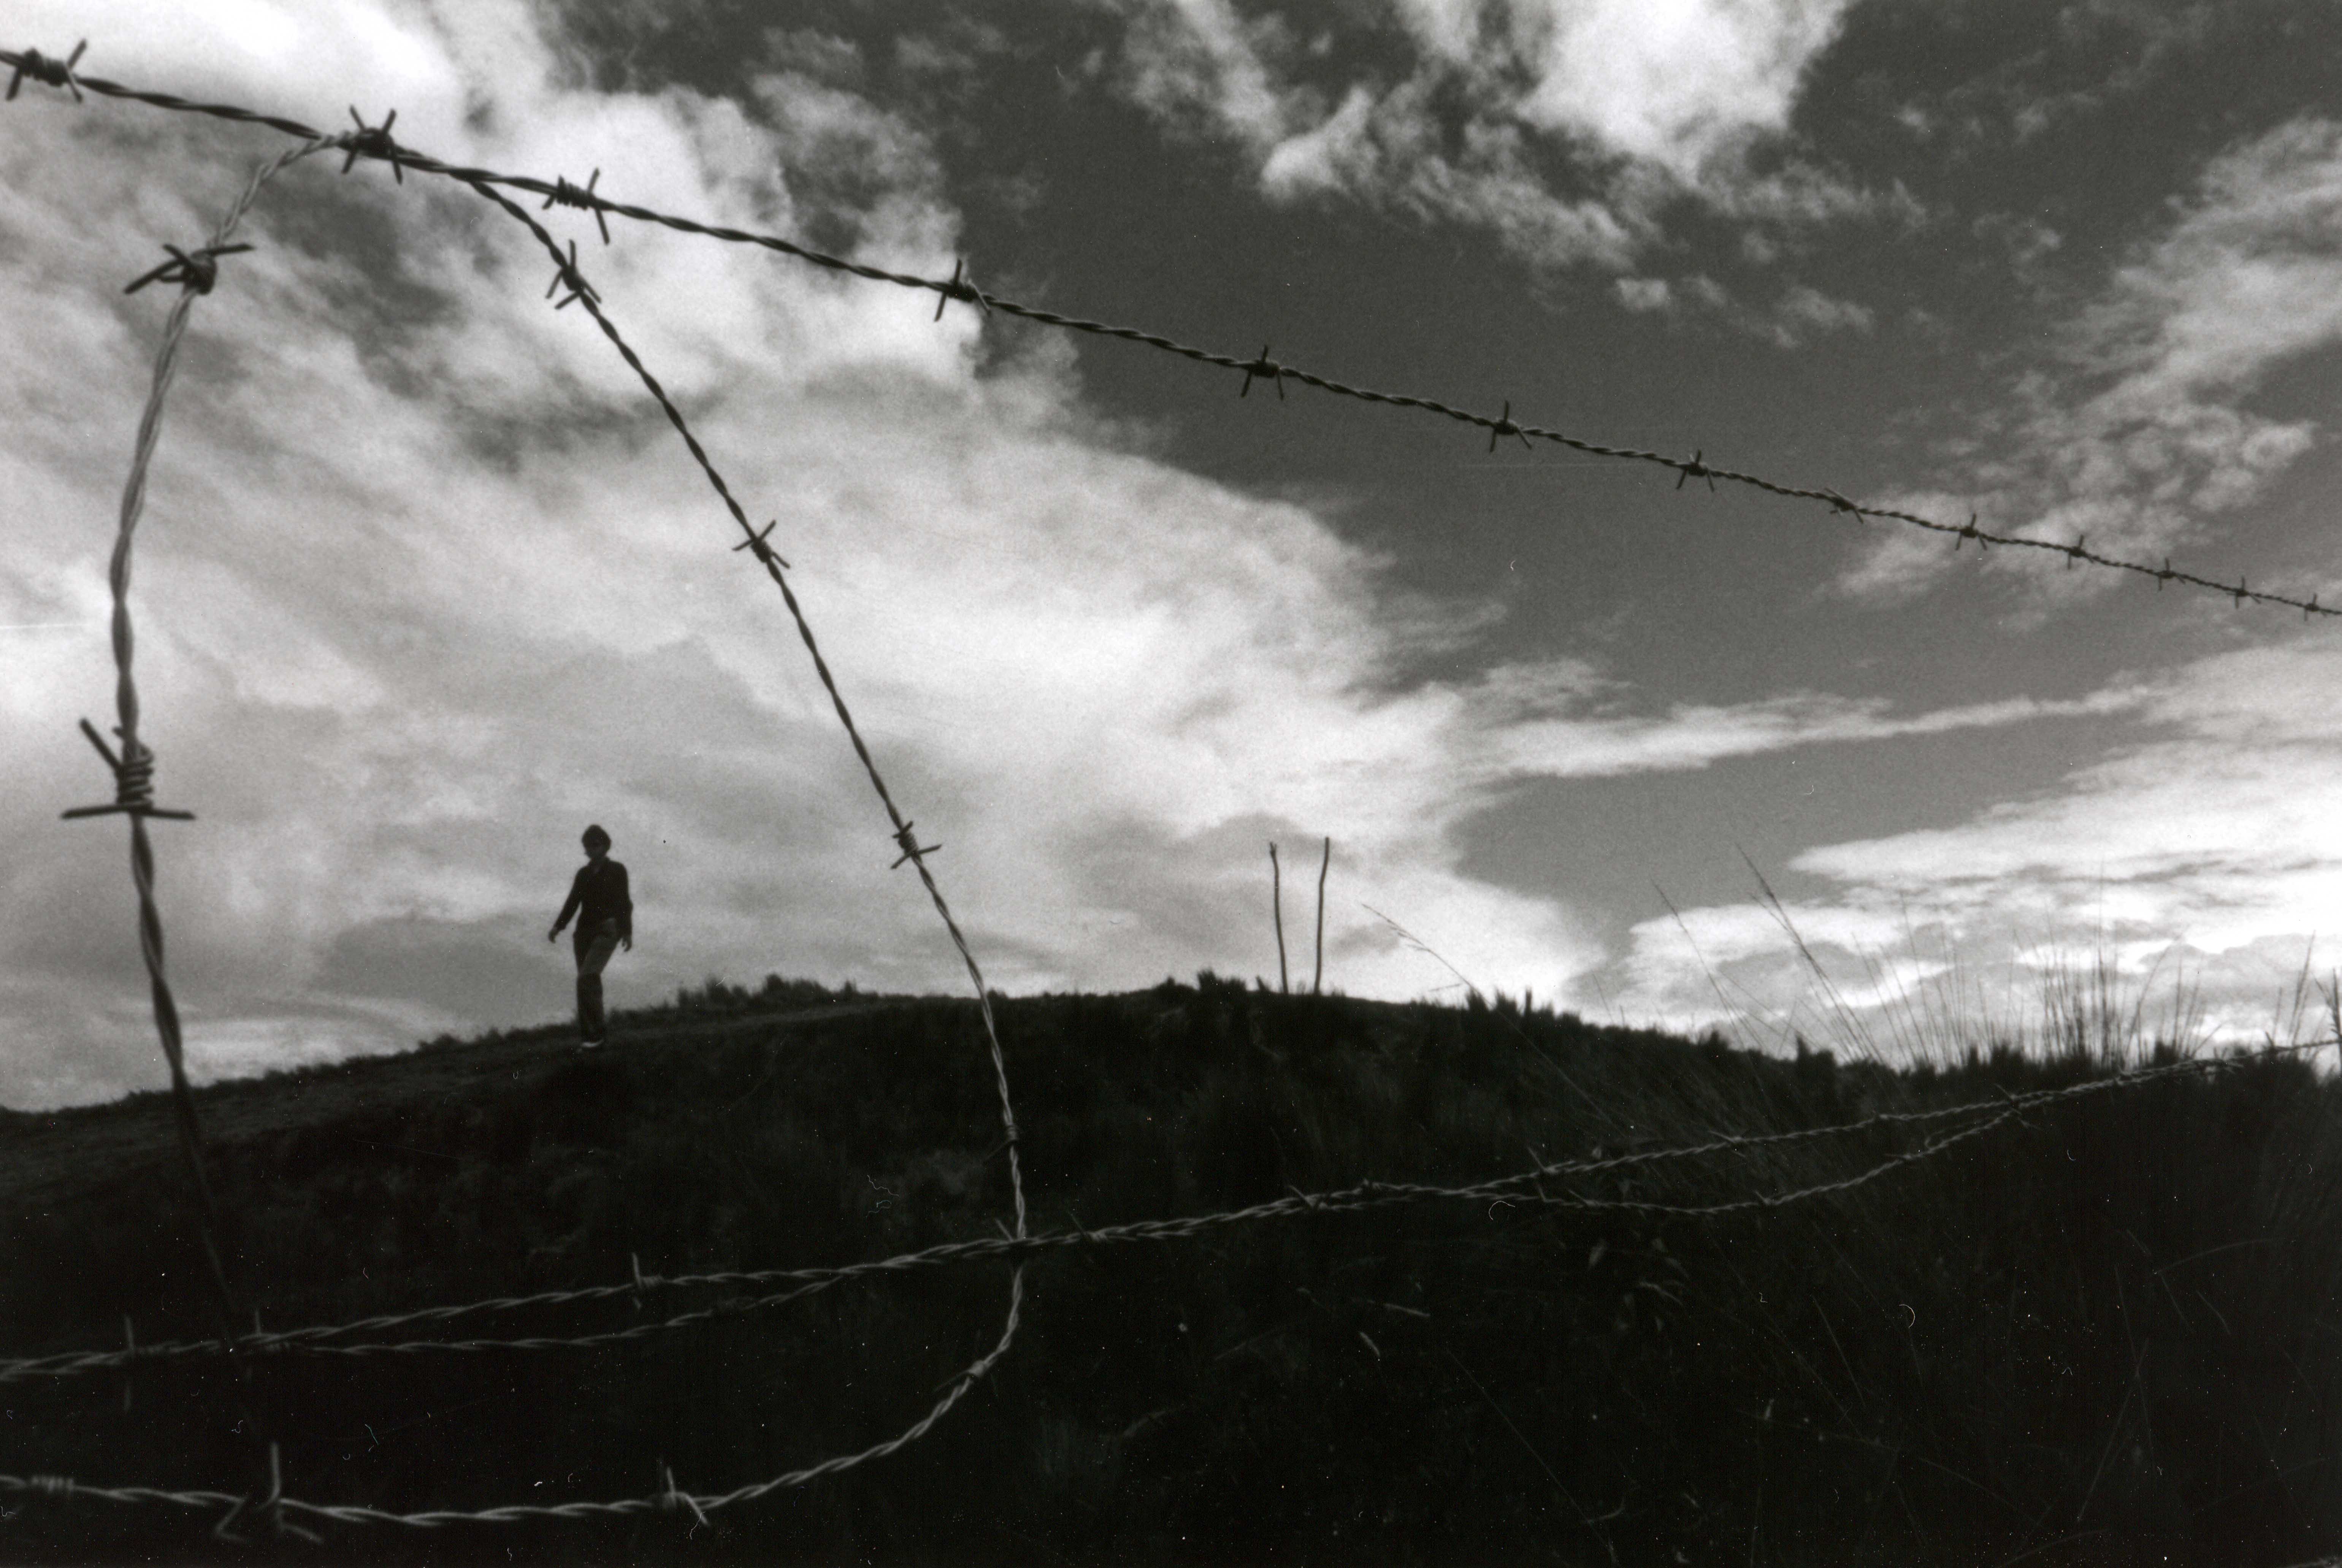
(576, 896)
(626, 909)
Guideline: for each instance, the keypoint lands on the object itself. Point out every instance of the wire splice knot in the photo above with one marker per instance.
(565, 195)
(963, 288)
(372, 142)
(1503, 426)
(269, 1505)
(912, 848)
(197, 270)
(53, 1485)
(671, 1499)
(54, 72)
(1837, 502)
(134, 780)
(570, 278)
(1265, 369)
(1695, 469)
(764, 551)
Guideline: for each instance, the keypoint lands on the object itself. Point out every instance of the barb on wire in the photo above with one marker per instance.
(41, 69)
(374, 142)
(320, 1339)
(955, 289)
(1501, 426)
(565, 195)
(912, 848)
(134, 782)
(1265, 369)
(759, 543)
(198, 270)
(567, 276)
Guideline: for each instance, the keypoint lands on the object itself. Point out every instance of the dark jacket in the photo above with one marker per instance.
(599, 894)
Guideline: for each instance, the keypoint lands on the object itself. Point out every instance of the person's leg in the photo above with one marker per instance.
(592, 956)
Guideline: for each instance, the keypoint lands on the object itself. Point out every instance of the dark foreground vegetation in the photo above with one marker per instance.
(2107, 1336)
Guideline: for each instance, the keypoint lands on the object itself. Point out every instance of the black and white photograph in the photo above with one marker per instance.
(1171, 782)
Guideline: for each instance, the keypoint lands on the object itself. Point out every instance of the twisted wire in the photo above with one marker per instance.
(566, 272)
(133, 769)
(1524, 1186)
(66, 1488)
(379, 145)
(318, 1339)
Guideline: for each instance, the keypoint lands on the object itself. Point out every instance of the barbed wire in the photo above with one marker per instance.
(196, 272)
(277, 1506)
(318, 1339)
(133, 768)
(757, 543)
(375, 141)
(1524, 1186)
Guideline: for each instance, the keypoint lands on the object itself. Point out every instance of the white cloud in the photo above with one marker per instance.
(1677, 83)
(1200, 58)
(2142, 432)
(2212, 846)
(1645, 294)
(1803, 312)
(1564, 126)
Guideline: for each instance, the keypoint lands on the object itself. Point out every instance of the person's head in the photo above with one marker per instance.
(596, 842)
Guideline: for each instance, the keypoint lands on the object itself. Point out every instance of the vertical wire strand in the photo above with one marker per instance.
(566, 274)
(134, 753)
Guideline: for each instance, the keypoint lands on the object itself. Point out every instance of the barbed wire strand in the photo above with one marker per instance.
(195, 272)
(66, 1488)
(510, 1513)
(1368, 1196)
(960, 287)
(133, 768)
(318, 1339)
(567, 273)
(757, 543)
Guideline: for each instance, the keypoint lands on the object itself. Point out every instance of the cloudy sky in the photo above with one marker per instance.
(426, 584)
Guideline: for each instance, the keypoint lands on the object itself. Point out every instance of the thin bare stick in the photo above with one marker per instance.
(1319, 975)
(1276, 908)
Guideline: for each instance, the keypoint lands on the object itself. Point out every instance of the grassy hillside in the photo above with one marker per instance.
(2106, 1335)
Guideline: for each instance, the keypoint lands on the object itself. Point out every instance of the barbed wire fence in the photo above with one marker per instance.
(196, 272)
(377, 143)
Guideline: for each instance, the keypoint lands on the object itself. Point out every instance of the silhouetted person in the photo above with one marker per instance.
(606, 918)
